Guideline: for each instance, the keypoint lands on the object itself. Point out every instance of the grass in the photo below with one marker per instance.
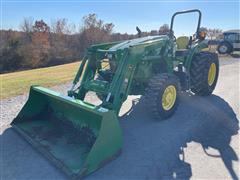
(17, 83)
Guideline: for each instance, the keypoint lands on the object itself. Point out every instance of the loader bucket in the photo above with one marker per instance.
(76, 136)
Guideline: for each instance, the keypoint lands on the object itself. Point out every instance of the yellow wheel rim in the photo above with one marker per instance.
(169, 97)
(211, 74)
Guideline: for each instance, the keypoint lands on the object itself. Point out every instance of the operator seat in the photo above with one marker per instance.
(182, 45)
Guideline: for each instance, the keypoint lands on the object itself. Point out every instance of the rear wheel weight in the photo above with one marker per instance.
(162, 95)
(204, 73)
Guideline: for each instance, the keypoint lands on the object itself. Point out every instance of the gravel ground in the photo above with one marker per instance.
(200, 141)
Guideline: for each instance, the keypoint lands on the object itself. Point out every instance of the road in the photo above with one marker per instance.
(201, 140)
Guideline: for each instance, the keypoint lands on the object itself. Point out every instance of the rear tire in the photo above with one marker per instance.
(204, 73)
(156, 95)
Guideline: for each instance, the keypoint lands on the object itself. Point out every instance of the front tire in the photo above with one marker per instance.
(204, 73)
(162, 95)
(224, 48)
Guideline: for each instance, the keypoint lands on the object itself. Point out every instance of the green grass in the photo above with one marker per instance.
(17, 83)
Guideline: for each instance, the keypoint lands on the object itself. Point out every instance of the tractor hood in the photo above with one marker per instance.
(138, 41)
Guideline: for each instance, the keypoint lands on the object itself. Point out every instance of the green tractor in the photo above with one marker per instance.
(80, 137)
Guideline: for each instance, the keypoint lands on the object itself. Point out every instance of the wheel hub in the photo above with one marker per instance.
(169, 97)
(223, 48)
(212, 74)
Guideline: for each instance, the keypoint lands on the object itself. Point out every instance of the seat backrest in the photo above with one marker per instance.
(182, 42)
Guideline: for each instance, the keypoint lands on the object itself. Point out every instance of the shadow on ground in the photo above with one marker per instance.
(152, 149)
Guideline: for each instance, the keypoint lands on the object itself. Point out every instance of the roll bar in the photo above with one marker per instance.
(184, 12)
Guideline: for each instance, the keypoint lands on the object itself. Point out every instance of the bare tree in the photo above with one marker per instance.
(60, 26)
(27, 25)
(72, 28)
(213, 33)
(94, 30)
(61, 41)
(91, 21)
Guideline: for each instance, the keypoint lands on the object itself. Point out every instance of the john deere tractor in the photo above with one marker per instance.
(78, 136)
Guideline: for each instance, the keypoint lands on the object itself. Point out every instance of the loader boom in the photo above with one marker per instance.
(129, 61)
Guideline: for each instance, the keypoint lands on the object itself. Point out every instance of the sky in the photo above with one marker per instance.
(125, 14)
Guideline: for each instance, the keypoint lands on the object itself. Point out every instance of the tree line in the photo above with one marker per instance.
(38, 44)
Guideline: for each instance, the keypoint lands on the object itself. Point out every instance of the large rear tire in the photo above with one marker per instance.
(162, 95)
(204, 73)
